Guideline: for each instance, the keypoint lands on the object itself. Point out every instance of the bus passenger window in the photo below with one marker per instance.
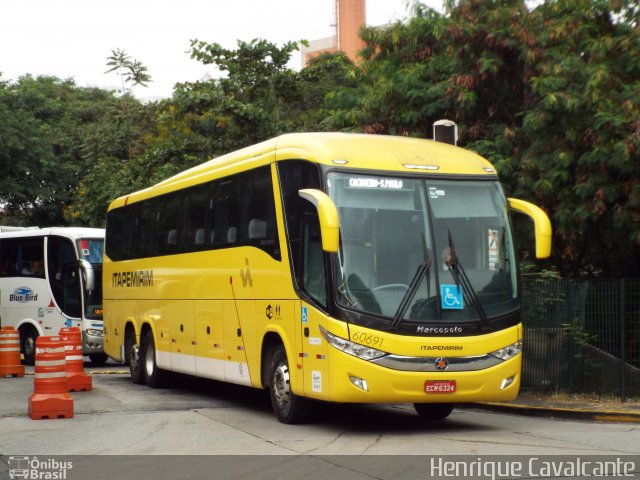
(194, 233)
(257, 229)
(167, 224)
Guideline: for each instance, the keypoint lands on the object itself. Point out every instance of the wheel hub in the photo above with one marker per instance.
(134, 358)
(149, 360)
(29, 346)
(281, 387)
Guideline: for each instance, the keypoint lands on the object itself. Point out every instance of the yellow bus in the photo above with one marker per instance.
(323, 266)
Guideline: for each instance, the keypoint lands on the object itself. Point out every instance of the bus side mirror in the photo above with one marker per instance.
(541, 223)
(328, 215)
(89, 275)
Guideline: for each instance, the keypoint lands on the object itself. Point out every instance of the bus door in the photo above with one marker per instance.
(64, 279)
(314, 283)
(314, 352)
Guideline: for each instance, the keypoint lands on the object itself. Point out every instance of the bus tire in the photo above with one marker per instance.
(98, 359)
(433, 411)
(135, 364)
(28, 337)
(288, 407)
(154, 376)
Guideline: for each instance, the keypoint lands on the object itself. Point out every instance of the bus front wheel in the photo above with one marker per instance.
(433, 411)
(288, 407)
(28, 337)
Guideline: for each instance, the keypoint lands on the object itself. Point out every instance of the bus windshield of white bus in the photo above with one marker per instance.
(419, 251)
(90, 249)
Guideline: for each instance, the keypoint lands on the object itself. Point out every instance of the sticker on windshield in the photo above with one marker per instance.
(436, 193)
(84, 248)
(451, 296)
(494, 252)
(382, 183)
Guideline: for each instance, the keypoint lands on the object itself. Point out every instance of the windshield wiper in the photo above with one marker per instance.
(461, 278)
(407, 298)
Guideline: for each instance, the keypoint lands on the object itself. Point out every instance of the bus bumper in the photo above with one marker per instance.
(92, 341)
(356, 380)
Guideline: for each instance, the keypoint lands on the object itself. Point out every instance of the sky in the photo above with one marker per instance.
(73, 38)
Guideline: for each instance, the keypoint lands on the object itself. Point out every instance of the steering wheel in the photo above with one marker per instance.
(362, 294)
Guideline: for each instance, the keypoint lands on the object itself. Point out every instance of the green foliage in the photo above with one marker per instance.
(580, 132)
(131, 72)
(550, 96)
(257, 97)
(580, 336)
(43, 122)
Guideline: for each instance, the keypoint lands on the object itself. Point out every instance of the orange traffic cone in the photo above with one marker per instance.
(10, 353)
(77, 380)
(50, 398)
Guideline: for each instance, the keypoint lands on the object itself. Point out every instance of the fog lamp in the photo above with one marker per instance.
(507, 381)
(359, 382)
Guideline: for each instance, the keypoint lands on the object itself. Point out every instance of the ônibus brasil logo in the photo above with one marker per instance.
(23, 295)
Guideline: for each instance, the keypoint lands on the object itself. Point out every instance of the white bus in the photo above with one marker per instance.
(52, 278)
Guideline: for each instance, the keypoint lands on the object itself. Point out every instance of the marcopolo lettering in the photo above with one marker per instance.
(139, 278)
(438, 330)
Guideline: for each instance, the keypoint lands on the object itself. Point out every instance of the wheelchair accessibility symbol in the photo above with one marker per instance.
(451, 296)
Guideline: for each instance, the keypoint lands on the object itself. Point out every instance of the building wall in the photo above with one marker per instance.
(350, 16)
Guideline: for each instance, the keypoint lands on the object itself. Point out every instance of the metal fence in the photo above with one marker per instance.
(581, 336)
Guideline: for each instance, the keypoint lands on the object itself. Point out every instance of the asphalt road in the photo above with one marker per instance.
(201, 417)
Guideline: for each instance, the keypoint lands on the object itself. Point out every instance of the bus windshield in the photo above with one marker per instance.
(90, 249)
(419, 251)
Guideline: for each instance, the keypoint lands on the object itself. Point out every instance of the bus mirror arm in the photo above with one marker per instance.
(328, 216)
(89, 275)
(541, 223)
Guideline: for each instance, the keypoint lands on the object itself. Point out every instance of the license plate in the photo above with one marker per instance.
(440, 386)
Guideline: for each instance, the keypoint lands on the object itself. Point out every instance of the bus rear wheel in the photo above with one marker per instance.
(154, 376)
(288, 407)
(135, 364)
(433, 411)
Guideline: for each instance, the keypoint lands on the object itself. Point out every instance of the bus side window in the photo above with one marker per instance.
(225, 215)
(166, 227)
(9, 250)
(144, 229)
(118, 243)
(258, 212)
(195, 219)
(30, 256)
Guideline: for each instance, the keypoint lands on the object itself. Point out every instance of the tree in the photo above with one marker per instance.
(580, 132)
(43, 122)
(131, 72)
(548, 95)
(255, 99)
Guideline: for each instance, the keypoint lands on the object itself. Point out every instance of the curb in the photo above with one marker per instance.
(621, 416)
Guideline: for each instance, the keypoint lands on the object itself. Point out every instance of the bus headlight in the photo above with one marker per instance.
(355, 349)
(508, 352)
(94, 333)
